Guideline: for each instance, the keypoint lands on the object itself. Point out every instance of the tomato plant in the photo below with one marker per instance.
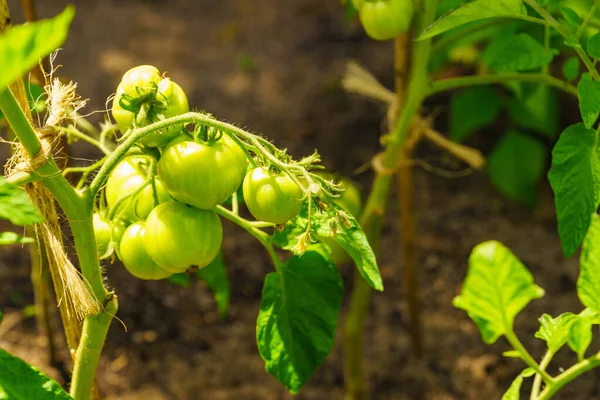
(385, 19)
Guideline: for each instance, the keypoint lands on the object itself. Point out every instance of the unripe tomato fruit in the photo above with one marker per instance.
(271, 197)
(386, 19)
(202, 175)
(127, 177)
(179, 236)
(139, 81)
(170, 101)
(102, 232)
(357, 4)
(350, 200)
(134, 256)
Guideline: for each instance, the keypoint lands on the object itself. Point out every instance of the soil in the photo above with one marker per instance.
(274, 66)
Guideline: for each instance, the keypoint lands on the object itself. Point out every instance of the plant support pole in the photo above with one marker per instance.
(374, 211)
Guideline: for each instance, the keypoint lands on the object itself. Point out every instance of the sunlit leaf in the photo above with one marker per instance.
(298, 317)
(588, 284)
(497, 288)
(13, 238)
(555, 331)
(16, 206)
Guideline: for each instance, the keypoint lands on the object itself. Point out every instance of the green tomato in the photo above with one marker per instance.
(179, 236)
(127, 178)
(102, 232)
(139, 81)
(386, 19)
(134, 256)
(272, 197)
(170, 101)
(202, 175)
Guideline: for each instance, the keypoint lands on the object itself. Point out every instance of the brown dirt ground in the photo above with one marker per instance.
(274, 66)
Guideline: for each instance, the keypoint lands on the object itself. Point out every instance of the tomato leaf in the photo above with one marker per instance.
(181, 280)
(472, 109)
(514, 391)
(555, 331)
(16, 206)
(575, 180)
(537, 111)
(571, 16)
(588, 283)
(352, 239)
(593, 46)
(588, 92)
(21, 381)
(298, 317)
(215, 276)
(519, 52)
(580, 336)
(13, 238)
(497, 288)
(23, 46)
(570, 68)
(516, 166)
(472, 11)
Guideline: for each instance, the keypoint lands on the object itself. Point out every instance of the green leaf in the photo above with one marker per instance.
(555, 331)
(514, 391)
(497, 288)
(588, 92)
(181, 280)
(352, 239)
(580, 337)
(13, 238)
(298, 317)
(511, 354)
(538, 111)
(588, 283)
(23, 46)
(520, 52)
(573, 43)
(215, 276)
(21, 381)
(1, 316)
(571, 68)
(593, 46)
(472, 109)
(575, 180)
(473, 11)
(16, 206)
(516, 166)
(571, 16)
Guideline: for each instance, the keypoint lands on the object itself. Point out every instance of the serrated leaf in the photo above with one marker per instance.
(13, 238)
(472, 11)
(516, 166)
(215, 276)
(588, 92)
(352, 239)
(298, 317)
(514, 391)
(16, 206)
(575, 180)
(593, 46)
(520, 52)
(23, 46)
(472, 109)
(555, 331)
(570, 69)
(571, 16)
(497, 288)
(588, 283)
(580, 337)
(21, 381)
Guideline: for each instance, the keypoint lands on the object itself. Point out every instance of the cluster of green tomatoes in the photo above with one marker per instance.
(158, 209)
(384, 19)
